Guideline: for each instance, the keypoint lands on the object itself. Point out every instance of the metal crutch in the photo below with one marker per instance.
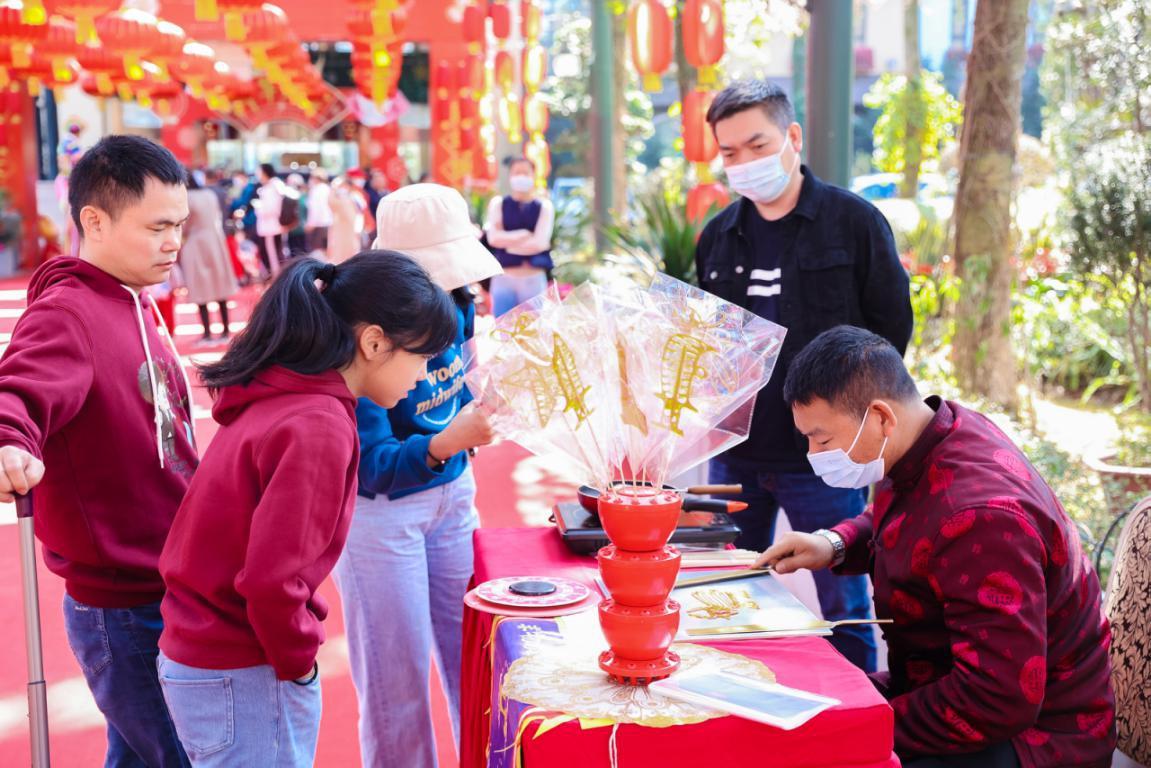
(37, 689)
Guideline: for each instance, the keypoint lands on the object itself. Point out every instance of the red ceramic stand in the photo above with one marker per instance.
(639, 570)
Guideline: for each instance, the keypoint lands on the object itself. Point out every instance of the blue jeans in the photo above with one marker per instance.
(509, 291)
(116, 649)
(811, 504)
(402, 578)
(242, 717)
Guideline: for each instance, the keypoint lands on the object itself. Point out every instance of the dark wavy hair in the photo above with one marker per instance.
(310, 329)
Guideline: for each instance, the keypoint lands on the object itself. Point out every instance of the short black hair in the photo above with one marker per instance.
(268, 169)
(113, 173)
(512, 161)
(743, 95)
(848, 367)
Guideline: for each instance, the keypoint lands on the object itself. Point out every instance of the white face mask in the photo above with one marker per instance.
(837, 469)
(521, 184)
(762, 180)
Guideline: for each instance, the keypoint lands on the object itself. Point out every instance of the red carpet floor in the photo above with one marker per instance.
(514, 489)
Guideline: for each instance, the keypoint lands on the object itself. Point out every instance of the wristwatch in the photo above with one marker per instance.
(838, 546)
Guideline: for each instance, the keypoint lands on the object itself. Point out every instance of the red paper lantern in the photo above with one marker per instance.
(535, 67)
(501, 16)
(703, 198)
(530, 18)
(84, 12)
(474, 27)
(511, 118)
(505, 70)
(699, 145)
(41, 73)
(16, 32)
(540, 154)
(234, 10)
(536, 115)
(703, 36)
(194, 65)
(105, 67)
(264, 29)
(59, 47)
(133, 34)
(650, 36)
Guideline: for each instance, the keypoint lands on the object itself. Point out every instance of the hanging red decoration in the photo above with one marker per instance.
(701, 199)
(501, 16)
(133, 34)
(536, 115)
(105, 67)
(505, 70)
(59, 47)
(530, 20)
(699, 145)
(650, 38)
(84, 12)
(703, 36)
(511, 117)
(234, 10)
(475, 18)
(535, 67)
(194, 65)
(263, 29)
(540, 154)
(19, 34)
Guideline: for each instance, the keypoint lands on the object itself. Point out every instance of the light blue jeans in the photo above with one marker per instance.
(241, 717)
(402, 578)
(509, 291)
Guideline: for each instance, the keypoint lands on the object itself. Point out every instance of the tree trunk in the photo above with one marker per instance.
(916, 107)
(619, 109)
(982, 352)
(685, 73)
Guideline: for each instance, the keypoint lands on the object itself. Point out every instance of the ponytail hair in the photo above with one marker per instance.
(307, 320)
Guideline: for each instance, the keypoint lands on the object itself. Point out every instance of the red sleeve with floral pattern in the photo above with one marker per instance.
(989, 577)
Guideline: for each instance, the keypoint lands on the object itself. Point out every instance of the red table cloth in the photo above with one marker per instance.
(856, 733)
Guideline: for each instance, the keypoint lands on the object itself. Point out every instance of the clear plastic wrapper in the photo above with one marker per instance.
(628, 382)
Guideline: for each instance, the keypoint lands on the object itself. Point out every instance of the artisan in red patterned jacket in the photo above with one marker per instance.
(999, 634)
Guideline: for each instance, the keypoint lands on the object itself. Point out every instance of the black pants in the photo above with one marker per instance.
(207, 322)
(1001, 755)
(277, 248)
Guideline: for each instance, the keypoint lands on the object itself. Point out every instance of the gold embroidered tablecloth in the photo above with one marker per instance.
(556, 677)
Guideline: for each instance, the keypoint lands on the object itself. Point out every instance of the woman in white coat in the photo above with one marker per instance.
(204, 263)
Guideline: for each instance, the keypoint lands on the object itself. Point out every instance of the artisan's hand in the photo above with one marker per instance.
(20, 472)
(469, 429)
(797, 550)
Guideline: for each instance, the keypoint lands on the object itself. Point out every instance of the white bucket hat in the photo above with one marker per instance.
(430, 223)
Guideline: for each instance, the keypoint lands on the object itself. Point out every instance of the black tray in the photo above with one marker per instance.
(582, 533)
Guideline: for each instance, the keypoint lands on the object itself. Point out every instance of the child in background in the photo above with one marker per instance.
(267, 513)
(411, 535)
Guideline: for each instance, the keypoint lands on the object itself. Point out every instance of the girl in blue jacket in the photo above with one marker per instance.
(408, 559)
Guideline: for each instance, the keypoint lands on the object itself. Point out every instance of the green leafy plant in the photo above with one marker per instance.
(937, 110)
(1109, 238)
(657, 237)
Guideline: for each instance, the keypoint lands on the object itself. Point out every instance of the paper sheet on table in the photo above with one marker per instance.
(758, 606)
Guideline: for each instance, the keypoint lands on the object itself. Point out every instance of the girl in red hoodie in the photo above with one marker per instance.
(267, 512)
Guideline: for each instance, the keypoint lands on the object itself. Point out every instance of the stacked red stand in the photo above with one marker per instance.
(639, 569)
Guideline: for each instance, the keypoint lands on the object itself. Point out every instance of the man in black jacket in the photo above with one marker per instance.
(809, 256)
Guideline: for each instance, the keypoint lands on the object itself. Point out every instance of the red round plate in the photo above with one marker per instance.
(479, 604)
(498, 591)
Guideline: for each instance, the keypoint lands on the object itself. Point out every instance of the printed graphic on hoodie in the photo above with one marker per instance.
(174, 420)
(447, 382)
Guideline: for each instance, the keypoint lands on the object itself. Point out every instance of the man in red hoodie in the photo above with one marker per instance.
(95, 414)
(998, 647)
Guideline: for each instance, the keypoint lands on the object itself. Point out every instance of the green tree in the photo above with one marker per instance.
(933, 108)
(982, 352)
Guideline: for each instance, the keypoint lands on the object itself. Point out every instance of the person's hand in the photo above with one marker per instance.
(797, 550)
(469, 429)
(20, 472)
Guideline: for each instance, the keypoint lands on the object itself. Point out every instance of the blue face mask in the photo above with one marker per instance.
(762, 180)
(837, 469)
